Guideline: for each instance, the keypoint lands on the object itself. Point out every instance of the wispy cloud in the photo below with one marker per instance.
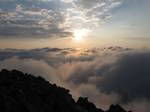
(51, 18)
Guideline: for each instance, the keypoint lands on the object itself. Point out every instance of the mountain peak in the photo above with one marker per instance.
(21, 92)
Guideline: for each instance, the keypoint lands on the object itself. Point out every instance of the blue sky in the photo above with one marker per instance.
(131, 18)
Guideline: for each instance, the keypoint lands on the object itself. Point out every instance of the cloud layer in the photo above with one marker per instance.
(106, 76)
(51, 18)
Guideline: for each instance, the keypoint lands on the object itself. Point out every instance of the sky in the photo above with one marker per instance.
(95, 48)
(74, 23)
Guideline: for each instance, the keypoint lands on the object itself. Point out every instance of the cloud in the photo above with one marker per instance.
(32, 19)
(128, 76)
(139, 106)
(106, 76)
(31, 66)
(51, 18)
(90, 14)
(125, 73)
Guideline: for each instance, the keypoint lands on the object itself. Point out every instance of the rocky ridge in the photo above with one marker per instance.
(21, 92)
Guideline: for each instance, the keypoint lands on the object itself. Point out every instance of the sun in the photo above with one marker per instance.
(79, 34)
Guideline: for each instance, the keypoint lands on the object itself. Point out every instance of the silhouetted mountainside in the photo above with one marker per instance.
(25, 93)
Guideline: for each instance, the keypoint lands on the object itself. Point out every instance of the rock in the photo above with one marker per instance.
(116, 108)
(21, 92)
(86, 105)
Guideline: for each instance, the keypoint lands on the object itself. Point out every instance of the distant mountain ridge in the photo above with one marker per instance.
(21, 92)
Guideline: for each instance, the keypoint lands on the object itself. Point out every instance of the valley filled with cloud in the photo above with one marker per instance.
(107, 76)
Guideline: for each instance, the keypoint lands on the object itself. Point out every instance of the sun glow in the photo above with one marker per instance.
(79, 34)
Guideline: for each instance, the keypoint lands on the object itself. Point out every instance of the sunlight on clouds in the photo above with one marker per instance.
(42, 23)
(53, 18)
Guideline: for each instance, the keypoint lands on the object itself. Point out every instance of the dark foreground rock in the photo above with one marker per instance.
(25, 93)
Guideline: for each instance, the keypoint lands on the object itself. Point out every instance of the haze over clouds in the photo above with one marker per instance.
(106, 76)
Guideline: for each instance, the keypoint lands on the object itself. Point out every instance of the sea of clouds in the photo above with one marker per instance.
(107, 75)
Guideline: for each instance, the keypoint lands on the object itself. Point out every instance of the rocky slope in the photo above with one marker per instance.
(21, 92)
